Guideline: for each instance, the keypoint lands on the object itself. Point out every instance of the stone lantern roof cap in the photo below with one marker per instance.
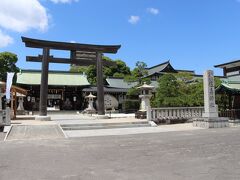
(145, 86)
(90, 96)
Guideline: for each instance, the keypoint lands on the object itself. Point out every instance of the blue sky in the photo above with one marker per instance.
(193, 34)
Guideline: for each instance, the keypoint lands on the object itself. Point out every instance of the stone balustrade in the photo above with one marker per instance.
(176, 113)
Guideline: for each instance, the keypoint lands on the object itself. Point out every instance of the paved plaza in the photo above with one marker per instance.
(193, 154)
(89, 122)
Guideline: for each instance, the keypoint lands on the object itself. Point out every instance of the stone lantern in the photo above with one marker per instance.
(145, 95)
(90, 108)
(20, 109)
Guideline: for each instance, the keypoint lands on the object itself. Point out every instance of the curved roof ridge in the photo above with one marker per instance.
(166, 62)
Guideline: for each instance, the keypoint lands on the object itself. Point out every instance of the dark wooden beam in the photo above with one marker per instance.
(44, 83)
(37, 43)
(100, 90)
(80, 62)
(72, 54)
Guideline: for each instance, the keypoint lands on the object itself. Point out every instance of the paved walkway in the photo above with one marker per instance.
(209, 154)
(33, 132)
(127, 131)
(66, 119)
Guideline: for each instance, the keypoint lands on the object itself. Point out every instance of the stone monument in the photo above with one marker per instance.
(210, 108)
(110, 102)
(210, 117)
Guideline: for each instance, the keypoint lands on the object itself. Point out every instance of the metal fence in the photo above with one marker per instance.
(232, 114)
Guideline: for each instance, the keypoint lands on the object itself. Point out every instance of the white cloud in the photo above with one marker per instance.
(72, 41)
(134, 19)
(153, 11)
(5, 40)
(23, 15)
(63, 1)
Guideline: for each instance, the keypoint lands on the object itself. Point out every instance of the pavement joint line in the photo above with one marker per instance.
(32, 139)
(5, 138)
(65, 135)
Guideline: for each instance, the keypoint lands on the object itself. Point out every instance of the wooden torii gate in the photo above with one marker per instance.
(80, 54)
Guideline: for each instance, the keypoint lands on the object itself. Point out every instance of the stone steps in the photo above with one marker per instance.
(69, 127)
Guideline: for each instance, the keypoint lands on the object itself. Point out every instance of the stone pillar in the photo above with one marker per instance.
(210, 117)
(210, 108)
(100, 90)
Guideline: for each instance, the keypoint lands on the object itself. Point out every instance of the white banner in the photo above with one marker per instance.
(8, 85)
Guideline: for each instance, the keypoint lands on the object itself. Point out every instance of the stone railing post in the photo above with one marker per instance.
(149, 114)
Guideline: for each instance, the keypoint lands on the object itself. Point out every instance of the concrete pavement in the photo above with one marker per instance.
(184, 155)
(68, 119)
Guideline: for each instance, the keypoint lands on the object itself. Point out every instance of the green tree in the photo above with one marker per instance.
(168, 93)
(79, 69)
(92, 74)
(120, 70)
(8, 62)
(181, 89)
(140, 71)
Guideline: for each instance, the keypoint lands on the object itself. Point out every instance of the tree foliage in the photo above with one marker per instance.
(139, 71)
(8, 62)
(91, 73)
(168, 93)
(120, 70)
(180, 89)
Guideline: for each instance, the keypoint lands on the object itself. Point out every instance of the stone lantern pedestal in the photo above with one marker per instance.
(145, 107)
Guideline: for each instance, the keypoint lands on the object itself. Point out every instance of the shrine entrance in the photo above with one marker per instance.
(79, 54)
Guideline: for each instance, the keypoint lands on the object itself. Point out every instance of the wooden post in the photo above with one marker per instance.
(100, 91)
(15, 104)
(44, 83)
(0, 98)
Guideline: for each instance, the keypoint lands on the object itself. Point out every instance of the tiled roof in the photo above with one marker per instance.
(120, 83)
(62, 78)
